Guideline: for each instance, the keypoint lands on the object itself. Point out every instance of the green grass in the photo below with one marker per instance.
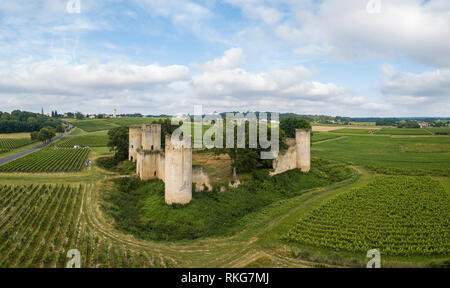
(140, 208)
(322, 136)
(403, 131)
(393, 153)
(398, 215)
(439, 130)
(92, 140)
(353, 131)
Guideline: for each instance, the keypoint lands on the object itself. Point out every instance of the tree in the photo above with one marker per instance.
(34, 135)
(118, 143)
(408, 124)
(79, 116)
(166, 129)
(46, 134)
(22, 121)
(60, 129)
(245, 160)
(290, 124)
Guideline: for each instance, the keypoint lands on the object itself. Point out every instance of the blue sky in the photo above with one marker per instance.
(349, 58)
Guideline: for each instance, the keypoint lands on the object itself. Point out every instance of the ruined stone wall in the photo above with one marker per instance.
(201, 179)
(288, 160)
(162, 166)
(178, 170)
(303, 140)
(135, 142)
(298, 154)
(151, 137)
(147, 164)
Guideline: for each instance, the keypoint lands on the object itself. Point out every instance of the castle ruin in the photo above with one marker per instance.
(298, 154)
(174, 164)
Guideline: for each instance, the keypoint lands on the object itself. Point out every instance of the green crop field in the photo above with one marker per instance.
(41, 223)
(8, 144)
(49, 159)
(439, 130)
(322, 136)
(406, 153)
(132, 121)
(92, 125)
(92, 140)
(398, 215)
(353, 131)
(403, 131)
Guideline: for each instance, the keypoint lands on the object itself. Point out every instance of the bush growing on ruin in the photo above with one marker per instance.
(246, 160)
(290, 124)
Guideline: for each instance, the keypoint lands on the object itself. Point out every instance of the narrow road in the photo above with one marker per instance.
(18, 155)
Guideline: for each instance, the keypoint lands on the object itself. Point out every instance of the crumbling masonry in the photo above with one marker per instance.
(298, 154)
(174, 165)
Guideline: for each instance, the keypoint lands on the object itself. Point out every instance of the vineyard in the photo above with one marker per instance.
(94, 140)
(388, 152)
(8, 144)
(403, 131)
(398, 215)
(354, 131)
(110, 123)
(49, 159)
(93, 125)
(41, 223)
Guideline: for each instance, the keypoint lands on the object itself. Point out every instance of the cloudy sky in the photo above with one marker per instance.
(334, 57)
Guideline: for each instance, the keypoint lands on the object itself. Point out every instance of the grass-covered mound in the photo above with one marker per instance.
(398, 215)
(139, 208)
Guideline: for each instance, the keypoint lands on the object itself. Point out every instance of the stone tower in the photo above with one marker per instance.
(135, 142)
(303, 145)
(178, 170)
(151, 137)
(149, 154)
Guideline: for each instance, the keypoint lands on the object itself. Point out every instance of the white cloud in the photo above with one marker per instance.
(226, 88)
(259, 10)
(345, 29)
(92, 87)
(179, 11)
(427, 92)
(233, 58)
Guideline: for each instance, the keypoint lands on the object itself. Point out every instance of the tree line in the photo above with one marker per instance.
(22, 121)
